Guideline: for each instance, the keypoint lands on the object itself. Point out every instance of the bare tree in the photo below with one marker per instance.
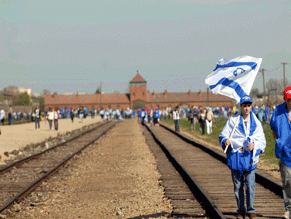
(286, 83)
(254, 92)
(46, 91)
(274, 85)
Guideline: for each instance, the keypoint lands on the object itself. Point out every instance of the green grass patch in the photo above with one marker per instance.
(268, 156)
(15, 121)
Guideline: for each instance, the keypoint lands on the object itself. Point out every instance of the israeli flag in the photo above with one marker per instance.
(234, 78)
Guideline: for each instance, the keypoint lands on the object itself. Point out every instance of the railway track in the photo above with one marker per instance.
(22, 177)
(208, 178)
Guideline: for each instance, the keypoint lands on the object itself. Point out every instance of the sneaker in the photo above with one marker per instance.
(286, 215)
(253, 216)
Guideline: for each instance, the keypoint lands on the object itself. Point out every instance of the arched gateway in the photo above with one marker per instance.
(138, 104)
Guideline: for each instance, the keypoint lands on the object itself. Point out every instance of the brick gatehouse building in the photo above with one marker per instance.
(137, 98)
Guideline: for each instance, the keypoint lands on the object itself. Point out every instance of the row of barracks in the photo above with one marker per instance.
(136, 99)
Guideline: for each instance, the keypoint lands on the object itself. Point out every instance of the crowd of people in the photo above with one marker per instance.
(52, 115)
(204, 116)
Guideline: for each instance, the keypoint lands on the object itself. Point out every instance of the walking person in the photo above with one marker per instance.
(281, 128)
(194, 114)
(157, 117)
(92, 113)
(176, 118)
(72, 114)
(143, 115)
(248, 141)
(10, 115)
(50, 117)
(150, 116)
(81, 114)
(201, 119)
(37, 114)
(2, 118)
(190, 117)
(198, 113)
(56, 119)
(209, 121)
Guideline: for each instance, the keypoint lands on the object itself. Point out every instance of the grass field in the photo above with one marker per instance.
(268, 156)
(16, 121)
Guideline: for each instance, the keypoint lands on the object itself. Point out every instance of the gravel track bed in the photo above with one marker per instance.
(115, 177)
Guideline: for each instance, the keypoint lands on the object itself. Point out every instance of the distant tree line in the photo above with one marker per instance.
(273, 86)
(273, 89)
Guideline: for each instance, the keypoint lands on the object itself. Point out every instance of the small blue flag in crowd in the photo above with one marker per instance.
(234, 78)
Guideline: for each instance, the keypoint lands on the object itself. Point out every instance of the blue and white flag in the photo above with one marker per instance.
(234, 78)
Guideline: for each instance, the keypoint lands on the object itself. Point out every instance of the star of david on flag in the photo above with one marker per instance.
(234, 78)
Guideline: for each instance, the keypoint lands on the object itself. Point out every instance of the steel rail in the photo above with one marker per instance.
(36, 183)
(262, 180)
(26, 159)
(207, 203)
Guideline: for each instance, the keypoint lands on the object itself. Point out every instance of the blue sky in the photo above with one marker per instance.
(69, 46)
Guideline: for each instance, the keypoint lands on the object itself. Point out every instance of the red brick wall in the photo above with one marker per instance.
(89, 106)
(123, 106)
(137, 93)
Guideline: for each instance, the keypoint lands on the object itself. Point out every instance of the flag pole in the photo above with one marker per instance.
(234, 128)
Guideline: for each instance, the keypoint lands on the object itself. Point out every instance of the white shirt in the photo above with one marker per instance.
(37, 113)
(56, 115)
(176, 115)
(50, 115)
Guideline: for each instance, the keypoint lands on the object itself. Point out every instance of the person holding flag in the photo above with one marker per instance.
(246, 143)
(281, 128)
(242, 138)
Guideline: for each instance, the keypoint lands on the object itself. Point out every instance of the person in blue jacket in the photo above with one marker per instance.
(156, 116)
(142, 116)
(281, 128)
(247, 142)
(267, 114)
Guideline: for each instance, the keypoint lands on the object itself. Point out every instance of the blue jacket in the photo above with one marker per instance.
(156, 114)
(142, 114)
(243, 161)
(280, 123)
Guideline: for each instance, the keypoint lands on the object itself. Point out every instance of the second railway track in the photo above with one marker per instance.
(213, 178)
(19, 179)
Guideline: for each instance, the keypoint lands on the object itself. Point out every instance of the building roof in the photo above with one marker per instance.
(138, 78)
(185, 97)
(115, 98)
(79, 99)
